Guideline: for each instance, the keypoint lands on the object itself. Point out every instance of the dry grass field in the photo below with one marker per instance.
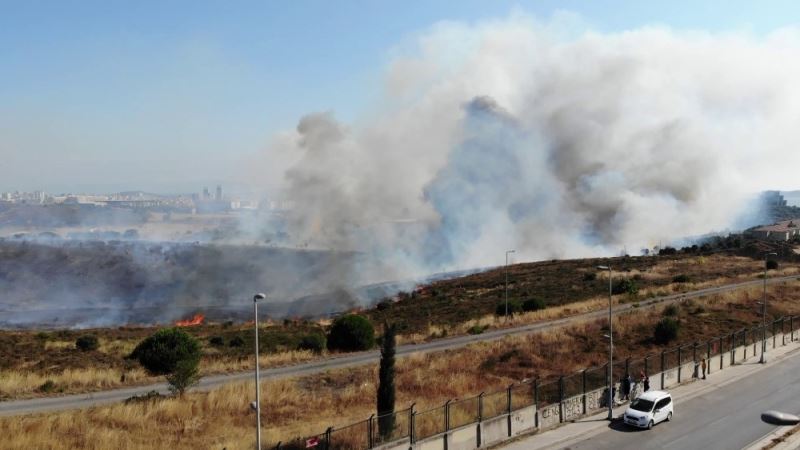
(308, 405)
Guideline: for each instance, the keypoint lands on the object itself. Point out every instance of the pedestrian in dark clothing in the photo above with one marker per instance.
(646, 383)
(625, 387)
(703, 365)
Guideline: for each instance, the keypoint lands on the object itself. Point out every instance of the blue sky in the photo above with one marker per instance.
(173, 95)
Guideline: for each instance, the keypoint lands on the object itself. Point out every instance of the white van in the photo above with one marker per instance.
(649, 409)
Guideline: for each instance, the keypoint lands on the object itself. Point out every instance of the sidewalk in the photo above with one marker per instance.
(585, 428)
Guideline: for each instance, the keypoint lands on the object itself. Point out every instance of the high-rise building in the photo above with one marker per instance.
(219, 193)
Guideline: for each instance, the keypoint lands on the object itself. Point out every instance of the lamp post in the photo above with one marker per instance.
(256, 298)
(764, 311)
(507, 253)
(610, 347)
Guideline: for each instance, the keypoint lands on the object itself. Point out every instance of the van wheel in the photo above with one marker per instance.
(669, 416)
(650, 425)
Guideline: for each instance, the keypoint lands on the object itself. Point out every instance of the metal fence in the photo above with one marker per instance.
(413, 425)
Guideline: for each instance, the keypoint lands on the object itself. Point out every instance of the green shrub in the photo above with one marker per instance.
(351, 333)
(666, 331)
(47, 386)
(625, 286)
(671, 311)
(160, 353)
(589, 276)
(314, 342)
(772, 264)
(216, 341)
(514, 307)
(477, 329)
(236, 341)
(533, 304)
(87, 343)
(682, 278)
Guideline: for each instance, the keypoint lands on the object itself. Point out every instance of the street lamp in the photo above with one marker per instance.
(764, 311)
(610, 347)
(507, 253)
(256, 298)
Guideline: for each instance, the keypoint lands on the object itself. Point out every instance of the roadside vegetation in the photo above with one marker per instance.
(307, 405)
(89, 360)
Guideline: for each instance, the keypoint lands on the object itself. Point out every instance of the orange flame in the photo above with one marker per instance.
(197, 319)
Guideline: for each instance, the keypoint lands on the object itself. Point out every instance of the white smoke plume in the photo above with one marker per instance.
(551, 140)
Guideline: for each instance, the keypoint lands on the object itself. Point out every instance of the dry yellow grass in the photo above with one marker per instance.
(15, 384)
(303, 406)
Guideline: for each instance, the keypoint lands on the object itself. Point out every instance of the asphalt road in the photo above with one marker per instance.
(51, 404)
(726, 418)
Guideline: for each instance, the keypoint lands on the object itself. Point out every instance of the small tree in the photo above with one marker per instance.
(514, 307)
(87, 343)
(185, 375)
(351, 333)
(772, 264)
(666, 330)
(171, 352)
(386, 387)
(625, 286)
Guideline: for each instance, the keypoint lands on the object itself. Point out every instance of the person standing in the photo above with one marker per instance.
(703, 366)
(646, 382)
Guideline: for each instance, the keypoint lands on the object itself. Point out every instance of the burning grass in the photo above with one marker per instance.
(307, 405)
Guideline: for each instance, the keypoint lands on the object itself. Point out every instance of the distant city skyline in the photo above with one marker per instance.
(98, 96)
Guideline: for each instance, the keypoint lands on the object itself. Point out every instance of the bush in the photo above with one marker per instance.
(666, 330)
(533, 304)
(216, 341)
(682, 278)
(514, 307)
(477, 329)
(314, 342)
(47, 386)
(351, 333)
(87, 343)
(671, 311)
(185, 375)
(160, 353)
(772, 264)
(589, 276)
(236, 341)
(625, 286)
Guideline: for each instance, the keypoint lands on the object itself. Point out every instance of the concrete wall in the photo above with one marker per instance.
(465, 438)
(523, 420)
(494, 430)
(402, 444)
(548, 416)
(670, 378)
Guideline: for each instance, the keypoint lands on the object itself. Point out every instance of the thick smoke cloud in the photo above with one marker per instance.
(554, 141)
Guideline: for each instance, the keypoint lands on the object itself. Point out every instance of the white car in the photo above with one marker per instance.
(649, 409)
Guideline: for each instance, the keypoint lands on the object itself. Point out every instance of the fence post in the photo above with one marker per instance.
(680, 363)
(370, 433)
(536, 402)
(561, 399)
(663, 358)
(755, 346)
(328, 438)
(447, 415)
(783, 330)
(733, 348)
(791, 328)
(708, 355)
(627, 366)
(508, 408)
(774, 338)
(583, 388)
(744, 342)
(646, 365)
(480, 407)
(411, 415)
